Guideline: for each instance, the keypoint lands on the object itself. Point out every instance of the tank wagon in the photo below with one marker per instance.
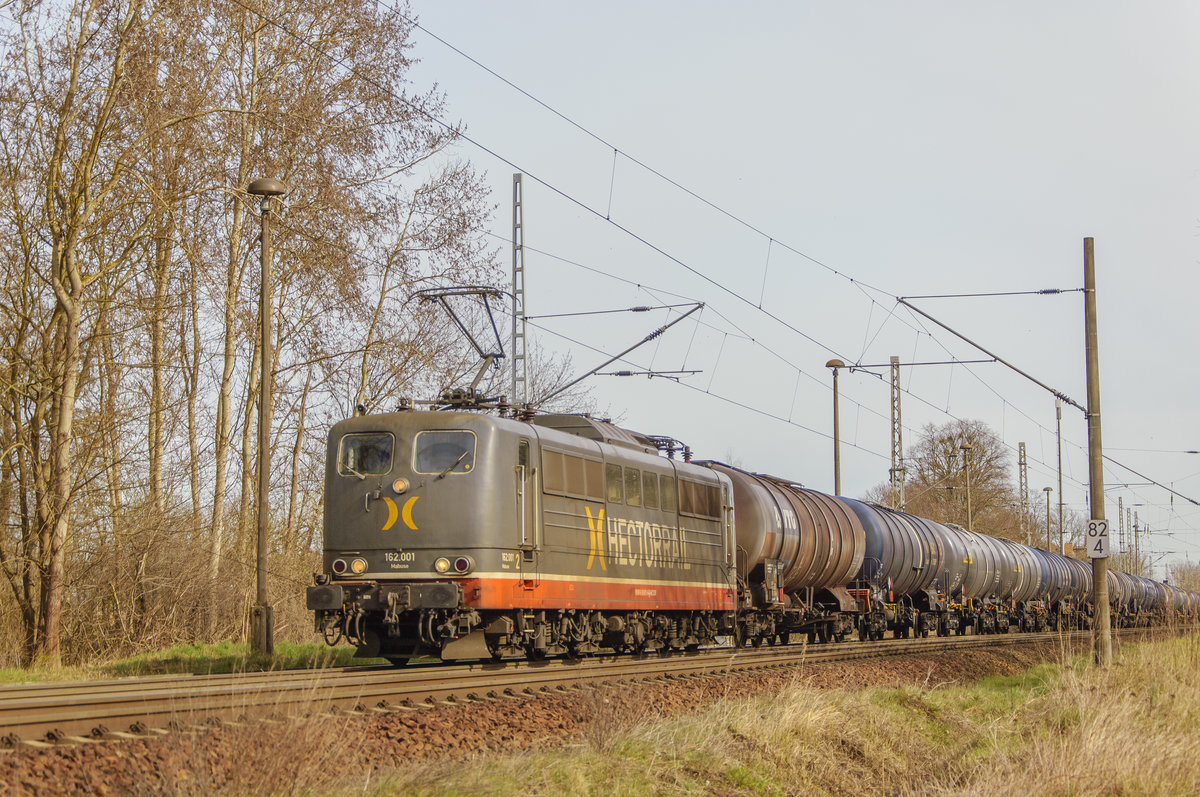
(467, 536)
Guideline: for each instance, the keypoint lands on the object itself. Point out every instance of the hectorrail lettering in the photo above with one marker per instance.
(636, 543)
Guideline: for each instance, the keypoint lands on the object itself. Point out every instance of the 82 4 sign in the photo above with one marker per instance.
(1097, 539)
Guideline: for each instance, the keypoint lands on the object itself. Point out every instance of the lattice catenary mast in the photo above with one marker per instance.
(898, 472)
(520, 365)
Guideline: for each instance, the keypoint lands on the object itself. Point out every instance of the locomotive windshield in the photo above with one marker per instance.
(365, 454)
(444, 452)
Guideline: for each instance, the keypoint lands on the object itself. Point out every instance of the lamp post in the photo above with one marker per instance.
(837, 455)
(261, 620)
(1047, 491)
(966, 449)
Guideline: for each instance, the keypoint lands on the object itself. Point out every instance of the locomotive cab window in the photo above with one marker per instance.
(444, 452)
(365, 454)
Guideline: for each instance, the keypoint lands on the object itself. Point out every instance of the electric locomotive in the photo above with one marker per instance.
(465, 536)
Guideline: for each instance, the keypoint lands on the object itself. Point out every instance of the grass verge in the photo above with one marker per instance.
(1065, 729)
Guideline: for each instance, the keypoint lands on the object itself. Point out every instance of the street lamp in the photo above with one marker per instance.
(1047, 491)
(261, 621)
(837, 456)
(966, 449)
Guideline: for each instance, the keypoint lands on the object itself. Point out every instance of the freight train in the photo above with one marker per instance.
(463, 535)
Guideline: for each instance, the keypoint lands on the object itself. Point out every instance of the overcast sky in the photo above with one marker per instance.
(842, 155)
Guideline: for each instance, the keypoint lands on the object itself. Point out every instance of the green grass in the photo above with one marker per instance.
(222, 657)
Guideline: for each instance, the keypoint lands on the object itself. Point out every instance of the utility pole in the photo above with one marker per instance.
(520, 365)
(898, 472)
(837, 453)
(1095, 454)
(261, 620)
(1023, 481)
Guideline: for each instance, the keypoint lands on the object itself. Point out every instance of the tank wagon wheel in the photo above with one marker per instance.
(824, 632)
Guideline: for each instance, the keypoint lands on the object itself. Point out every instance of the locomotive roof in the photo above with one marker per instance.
(593, 429)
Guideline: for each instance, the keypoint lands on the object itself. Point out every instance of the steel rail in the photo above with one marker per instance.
(81, 712)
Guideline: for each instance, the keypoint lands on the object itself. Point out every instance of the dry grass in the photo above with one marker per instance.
(1065, 729)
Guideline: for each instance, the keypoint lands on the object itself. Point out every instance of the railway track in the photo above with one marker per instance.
(89, 711)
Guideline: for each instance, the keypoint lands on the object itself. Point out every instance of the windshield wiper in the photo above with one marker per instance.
(453, 464)
(360, 476)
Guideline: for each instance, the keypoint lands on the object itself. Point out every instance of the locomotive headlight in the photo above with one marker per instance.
(339, 566)
(442, 565)
(400, 486)
(358, 566)
(463, 565)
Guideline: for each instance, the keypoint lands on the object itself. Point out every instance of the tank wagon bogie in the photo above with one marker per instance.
(463, 535)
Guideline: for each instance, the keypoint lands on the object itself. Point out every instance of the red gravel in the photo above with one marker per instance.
(351, 750)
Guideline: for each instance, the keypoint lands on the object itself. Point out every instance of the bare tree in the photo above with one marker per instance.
(128, 132)
(938, 479)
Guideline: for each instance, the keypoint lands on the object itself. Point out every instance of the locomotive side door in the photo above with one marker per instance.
(529, 535)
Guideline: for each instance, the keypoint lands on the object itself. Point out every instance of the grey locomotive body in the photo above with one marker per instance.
(466, 535)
